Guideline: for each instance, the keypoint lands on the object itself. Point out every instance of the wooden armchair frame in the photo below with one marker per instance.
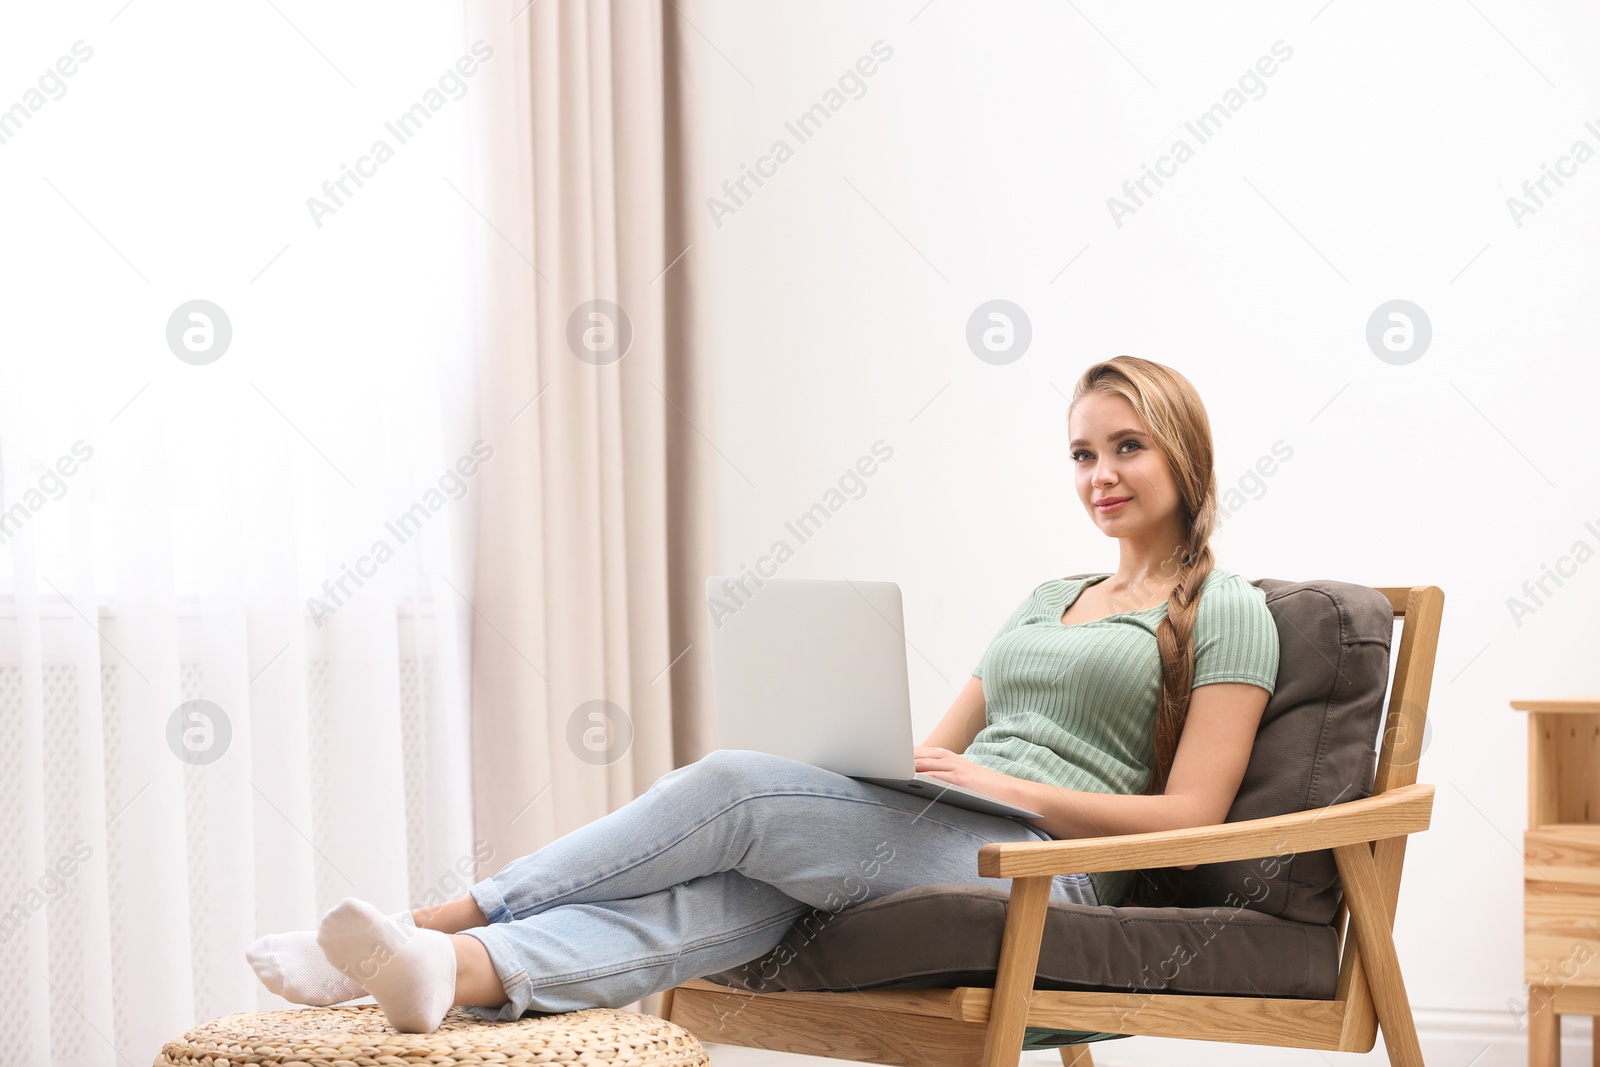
(968, 1025)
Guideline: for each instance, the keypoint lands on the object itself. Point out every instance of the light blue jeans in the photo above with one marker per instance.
(708, 868)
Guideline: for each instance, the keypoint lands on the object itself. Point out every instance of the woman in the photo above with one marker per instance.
(1076, 710)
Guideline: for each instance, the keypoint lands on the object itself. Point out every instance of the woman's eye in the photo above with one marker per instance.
(1129, 441)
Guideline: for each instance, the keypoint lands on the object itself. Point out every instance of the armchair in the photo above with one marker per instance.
(1256, 951)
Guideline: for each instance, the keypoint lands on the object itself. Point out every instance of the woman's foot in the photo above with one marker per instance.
(410, 972)
(293, 966)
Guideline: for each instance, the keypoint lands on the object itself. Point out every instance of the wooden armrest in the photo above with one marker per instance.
(1403, 810)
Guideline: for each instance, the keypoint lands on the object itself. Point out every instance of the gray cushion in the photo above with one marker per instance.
(1258, 926)
(949, 934)
(1317, 743)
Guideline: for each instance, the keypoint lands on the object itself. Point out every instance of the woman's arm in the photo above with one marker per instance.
(963, 721)
(1218, 734)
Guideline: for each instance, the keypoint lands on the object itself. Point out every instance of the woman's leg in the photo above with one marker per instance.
(817, 836)
(629, 904)
(451, 917)
(707, 869)
(610, 953)
(605, 954)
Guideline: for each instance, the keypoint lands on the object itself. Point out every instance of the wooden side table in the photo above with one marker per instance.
(1561, 871)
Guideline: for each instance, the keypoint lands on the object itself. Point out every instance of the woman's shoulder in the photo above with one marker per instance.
(1231, 579)
(1051, 585)
(1041, 594)
(1232, 604)
(1224, 588)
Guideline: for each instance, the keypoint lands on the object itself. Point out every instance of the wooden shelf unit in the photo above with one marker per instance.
(1561, 871)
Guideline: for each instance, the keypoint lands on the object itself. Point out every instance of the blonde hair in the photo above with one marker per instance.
(1174, 417)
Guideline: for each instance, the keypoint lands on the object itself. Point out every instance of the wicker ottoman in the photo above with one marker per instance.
(359, 1036)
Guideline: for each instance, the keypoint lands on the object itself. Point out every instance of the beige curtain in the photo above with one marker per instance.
(591, 551)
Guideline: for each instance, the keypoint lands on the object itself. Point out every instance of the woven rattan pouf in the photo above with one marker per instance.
(358, 1035)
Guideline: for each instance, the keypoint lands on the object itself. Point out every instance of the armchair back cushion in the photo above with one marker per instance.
(1317, 743)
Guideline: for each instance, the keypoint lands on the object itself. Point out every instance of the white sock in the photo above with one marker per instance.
(293, 966)
(410, 973)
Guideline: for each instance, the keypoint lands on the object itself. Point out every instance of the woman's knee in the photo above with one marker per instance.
(734, 770)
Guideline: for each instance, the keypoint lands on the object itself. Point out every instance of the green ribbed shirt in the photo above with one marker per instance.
(1075, 706)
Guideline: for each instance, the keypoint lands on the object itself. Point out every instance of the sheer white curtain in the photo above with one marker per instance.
(280, 532)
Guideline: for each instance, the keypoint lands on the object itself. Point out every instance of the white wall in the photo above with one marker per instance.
(1376, 166)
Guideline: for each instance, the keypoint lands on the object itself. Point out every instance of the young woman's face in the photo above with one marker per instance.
(1113, 465)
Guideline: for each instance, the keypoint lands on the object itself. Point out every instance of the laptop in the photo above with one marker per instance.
(815, 669)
